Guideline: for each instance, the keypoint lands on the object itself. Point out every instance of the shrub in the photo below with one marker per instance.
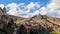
(55, 32)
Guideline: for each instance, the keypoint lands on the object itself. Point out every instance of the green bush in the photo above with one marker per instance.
(10, 29)
(55, 32)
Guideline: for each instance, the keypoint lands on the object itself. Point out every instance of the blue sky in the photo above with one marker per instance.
(29, 8)
(44, 2)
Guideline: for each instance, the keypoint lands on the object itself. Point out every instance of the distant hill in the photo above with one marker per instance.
(40, 19)
(15, 17)
(45, 19)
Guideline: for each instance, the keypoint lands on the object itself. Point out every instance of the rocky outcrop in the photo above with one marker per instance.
(41, 23)
(6, 23)
(38, 24)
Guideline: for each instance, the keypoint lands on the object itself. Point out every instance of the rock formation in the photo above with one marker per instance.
(38, 24)
(6, 23)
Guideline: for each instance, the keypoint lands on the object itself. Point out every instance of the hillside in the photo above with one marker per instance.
(37, 22)
(39, 19)
(44, 19)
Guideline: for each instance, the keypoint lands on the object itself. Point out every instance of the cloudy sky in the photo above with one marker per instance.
(29, 8)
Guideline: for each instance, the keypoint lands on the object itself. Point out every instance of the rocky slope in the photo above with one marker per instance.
(46, 22)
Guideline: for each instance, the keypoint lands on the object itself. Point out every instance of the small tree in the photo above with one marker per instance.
(10, 29)
(22, 30)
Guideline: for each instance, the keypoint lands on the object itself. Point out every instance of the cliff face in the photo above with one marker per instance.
(7, 24)
(2, 17)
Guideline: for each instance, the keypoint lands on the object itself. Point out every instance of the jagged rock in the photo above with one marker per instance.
(6, 23)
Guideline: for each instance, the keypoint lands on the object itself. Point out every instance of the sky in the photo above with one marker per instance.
(22, 1)
(29, 8)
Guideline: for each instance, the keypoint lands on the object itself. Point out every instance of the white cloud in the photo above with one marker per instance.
(37, 5)
(52, 8)
(12, 5)
(30, 6)
(43, 11)
(2, 5)
(15, 9)
(22, 12)
(36, 12)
